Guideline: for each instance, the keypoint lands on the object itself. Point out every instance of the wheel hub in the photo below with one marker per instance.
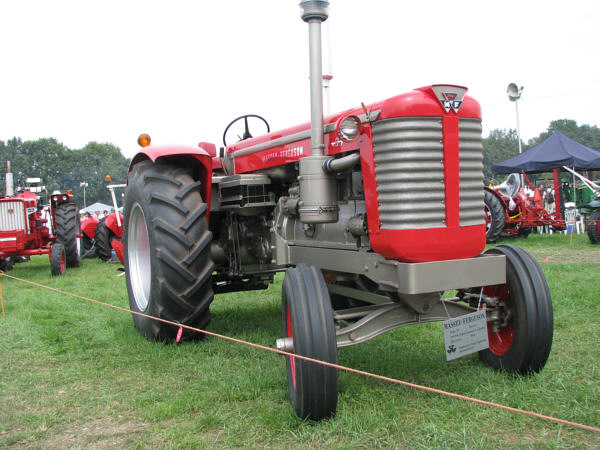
(138, 255)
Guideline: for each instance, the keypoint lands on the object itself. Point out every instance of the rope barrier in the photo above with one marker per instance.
(1, 293)
(316, 361)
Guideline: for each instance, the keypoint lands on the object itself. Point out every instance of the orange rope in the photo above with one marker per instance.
(335, 366)
(1, 294)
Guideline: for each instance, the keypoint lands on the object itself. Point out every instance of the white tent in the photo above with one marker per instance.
(100, 207)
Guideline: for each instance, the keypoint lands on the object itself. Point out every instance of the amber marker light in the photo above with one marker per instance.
(144, 140)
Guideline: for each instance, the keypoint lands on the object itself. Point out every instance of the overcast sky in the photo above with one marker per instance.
(180, 70)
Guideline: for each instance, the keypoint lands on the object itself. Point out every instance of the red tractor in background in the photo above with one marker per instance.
(88, 236)
(28, 228)
(109, 230)
(102, 237)
(510, 212)
(372, 213)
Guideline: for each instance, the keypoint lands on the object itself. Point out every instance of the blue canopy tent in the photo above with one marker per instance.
(553, 153)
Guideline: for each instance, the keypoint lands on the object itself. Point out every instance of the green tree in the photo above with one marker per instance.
(498, 146)
(61, 168)
(587, 135)
(94, 162)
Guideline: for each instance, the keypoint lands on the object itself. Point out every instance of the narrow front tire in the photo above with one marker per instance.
(521, 339)
(308, 321)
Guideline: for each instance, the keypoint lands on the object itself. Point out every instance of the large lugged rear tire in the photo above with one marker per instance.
(167, 250)
(308, 320)
(523, 341)
(102, 241)
(593, 227)
(494, 216)
(66, 224)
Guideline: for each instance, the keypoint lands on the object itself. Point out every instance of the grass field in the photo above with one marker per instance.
(74, 374)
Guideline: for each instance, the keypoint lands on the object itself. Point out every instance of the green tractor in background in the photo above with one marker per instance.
(587, 201)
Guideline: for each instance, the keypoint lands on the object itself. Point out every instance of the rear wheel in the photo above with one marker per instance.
(521, 338)
(6, 264)
(167, 250)
(524, 232)
(58, 259)
(593, 227)
(66, 221)
(494, 216)
(102, 241)
(88, 248)
(308, 321)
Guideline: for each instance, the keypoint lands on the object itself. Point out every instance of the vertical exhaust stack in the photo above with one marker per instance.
(318, 190)
(10, 190)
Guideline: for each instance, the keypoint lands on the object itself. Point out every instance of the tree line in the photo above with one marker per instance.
(62, 168)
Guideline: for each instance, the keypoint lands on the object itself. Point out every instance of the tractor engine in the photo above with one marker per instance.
(402, 178)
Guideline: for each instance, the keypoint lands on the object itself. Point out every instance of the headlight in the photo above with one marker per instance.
(348, 128)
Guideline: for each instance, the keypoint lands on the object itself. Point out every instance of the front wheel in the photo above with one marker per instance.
(520, 337)
(58, 259)
(167, 250)
(308, 322)
(593, 227)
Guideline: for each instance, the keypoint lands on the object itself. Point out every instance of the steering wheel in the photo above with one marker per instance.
(247, 134)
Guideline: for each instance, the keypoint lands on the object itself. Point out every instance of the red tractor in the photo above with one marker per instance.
(372, 213)
(28, 228)
(510, 212)
(101, 238)
(88, 236)
(109, 231)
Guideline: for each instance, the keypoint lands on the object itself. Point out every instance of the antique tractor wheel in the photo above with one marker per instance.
(167, 250)
(58, 259)
(103, 239)
(88, 247)
(593, 227)
(66, 222)
(6, 264)
(308, 324)
(520, 337)
(494, 216)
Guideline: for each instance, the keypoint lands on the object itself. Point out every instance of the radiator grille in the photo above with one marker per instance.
(409, 172)
(12, 216)
(471, 173)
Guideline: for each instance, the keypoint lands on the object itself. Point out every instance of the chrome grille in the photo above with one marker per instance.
(12, 216)
(409, 171)
(471, 173)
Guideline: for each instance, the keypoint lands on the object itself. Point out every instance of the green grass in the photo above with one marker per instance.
(75, 374)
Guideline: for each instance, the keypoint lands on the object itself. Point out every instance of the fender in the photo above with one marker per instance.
(88, 227)
(202, 158)
(112, 225)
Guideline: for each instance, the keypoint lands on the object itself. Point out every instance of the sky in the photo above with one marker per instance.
(181, 70)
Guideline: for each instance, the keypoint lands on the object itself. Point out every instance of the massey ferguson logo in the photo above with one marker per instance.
(451, 97)
(449, 101)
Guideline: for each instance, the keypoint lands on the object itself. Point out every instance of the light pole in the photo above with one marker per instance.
(514, 94)
(84, 185)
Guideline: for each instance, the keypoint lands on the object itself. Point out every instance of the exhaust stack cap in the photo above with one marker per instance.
(314, 9)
